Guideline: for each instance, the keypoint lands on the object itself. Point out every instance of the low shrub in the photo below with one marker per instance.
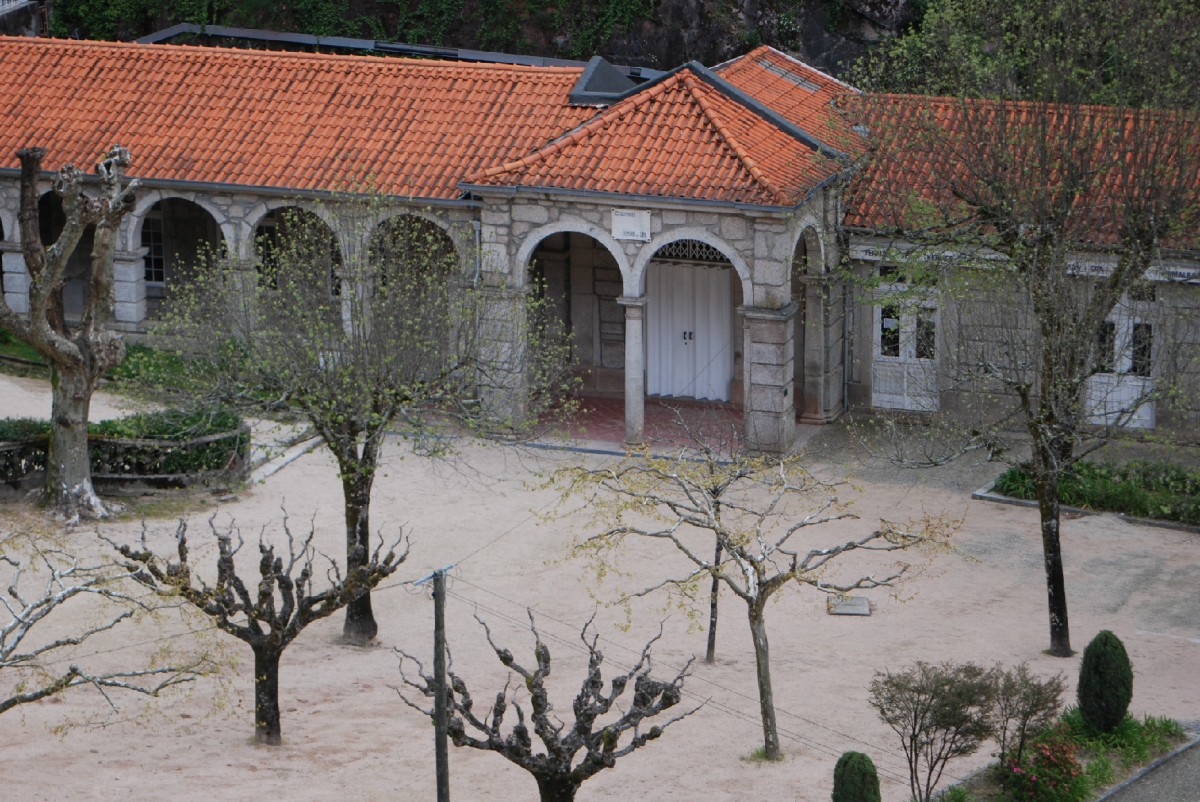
(1133, 741)
(1051, 772)
(1141, 489)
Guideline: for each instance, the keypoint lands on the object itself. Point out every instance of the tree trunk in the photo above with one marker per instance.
(68, 491)
(766, 697)
(1047, 470)
(266, 696)
(710, 656)
(360, 626)
(553, 788)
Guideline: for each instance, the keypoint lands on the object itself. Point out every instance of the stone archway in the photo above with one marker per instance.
(693, 335)
(178, 236)
(51, 222)
(581, 282)
(288, 231)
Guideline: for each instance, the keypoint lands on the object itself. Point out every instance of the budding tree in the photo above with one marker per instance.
(96, 597)
(763, 513)
(387, 333)
(1047, 192)
(572, 754)
(81, 351)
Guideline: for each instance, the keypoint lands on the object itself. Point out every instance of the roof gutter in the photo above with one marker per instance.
(244, 189)
(513, 190)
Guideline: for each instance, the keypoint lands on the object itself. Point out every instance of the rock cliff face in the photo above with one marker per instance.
(825, 33)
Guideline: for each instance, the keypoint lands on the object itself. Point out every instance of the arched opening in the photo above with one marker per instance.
(412, 265)
(801, 267)
(288, 234)
(692, 328)
(179, 236)
(580, 282)
(77, 276)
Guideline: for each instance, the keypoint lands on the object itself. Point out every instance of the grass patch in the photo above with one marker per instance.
(11, 346)
(1138, 488)
(759, 755)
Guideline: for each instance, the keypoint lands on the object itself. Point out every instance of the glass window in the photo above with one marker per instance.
(889, 331)
(926, 344)
(152, 240)
(1142, 343)
(1106, 343)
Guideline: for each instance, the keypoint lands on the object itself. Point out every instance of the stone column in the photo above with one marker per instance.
(129, 288)
(16, 280)
(770, 417)
(822, 357)
(635, 368)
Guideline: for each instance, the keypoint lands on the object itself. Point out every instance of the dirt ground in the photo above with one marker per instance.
(348, 736)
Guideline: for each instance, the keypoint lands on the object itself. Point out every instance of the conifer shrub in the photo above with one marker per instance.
(855, 779)
(1105, 682)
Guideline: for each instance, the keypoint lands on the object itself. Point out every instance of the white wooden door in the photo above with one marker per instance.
(689, 314)
(1120, 389)
(904, 369)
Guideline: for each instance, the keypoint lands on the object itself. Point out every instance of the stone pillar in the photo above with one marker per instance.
(822, 357)
(16, 280)
(770, 417)
(635, 368)
(503, 356)
(129, 288)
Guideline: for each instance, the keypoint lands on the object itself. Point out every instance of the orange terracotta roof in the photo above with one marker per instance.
(291, 121)
(801, 94)
(686, 136)
(934, 163)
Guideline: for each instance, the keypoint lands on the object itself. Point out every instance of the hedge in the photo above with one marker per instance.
(1139, 488)
(153, 445)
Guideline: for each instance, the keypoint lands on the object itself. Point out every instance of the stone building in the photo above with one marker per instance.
(689, 228)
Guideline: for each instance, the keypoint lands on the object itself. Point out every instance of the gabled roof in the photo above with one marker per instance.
(689, 135)
(802, 94)
(287, 121)
(935, 160)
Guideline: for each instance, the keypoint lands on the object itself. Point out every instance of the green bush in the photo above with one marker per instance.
(1138, 488)
(173, 449)
(855, 779)
(1133, 741)
(1105, 682)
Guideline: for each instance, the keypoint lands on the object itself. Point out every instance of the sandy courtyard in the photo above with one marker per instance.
(348, 736)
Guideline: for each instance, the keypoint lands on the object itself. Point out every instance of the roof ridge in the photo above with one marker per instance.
(743, 155)
(245, 52)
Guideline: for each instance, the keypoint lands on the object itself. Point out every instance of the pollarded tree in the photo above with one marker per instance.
(268, 612)
(1044, 195)
(759, 509)
(389, 333)
(572, 754)
(31, 665)
(79, 352)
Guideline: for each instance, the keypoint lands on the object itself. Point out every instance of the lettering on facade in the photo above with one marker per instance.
(631, 224)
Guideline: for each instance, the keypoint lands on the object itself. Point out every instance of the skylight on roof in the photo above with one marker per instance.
(783, 72)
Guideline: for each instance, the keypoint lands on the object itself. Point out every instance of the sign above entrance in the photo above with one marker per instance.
(631, 224)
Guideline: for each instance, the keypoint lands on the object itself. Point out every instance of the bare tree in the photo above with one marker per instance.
(1047, 220)
(34, 667)
(758, 509)
(81, 351)
(387, 334)
(598, 728)
(270, 616)
(940, 712)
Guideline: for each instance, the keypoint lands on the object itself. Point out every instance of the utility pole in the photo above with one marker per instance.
(440, 747)
(441, 751)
